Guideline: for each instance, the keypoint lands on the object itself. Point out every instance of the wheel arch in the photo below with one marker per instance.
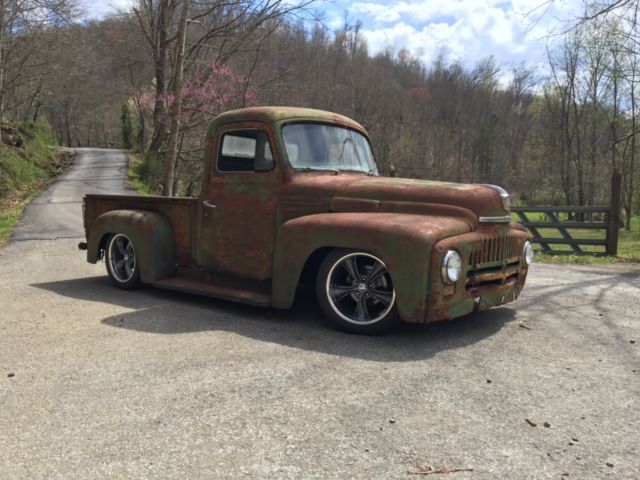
(102, 246)
(404, 248)
(312, 264)
(151, 234)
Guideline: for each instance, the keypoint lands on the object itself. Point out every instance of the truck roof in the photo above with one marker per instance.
(277, 114)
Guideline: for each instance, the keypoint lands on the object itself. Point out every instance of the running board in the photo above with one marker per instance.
(225, 292)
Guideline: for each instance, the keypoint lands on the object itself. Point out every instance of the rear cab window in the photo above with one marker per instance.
(245, 151)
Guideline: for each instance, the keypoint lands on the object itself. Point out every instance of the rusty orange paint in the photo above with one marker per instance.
(250, 234)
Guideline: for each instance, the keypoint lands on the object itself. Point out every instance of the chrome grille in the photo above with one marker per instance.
(493, 249)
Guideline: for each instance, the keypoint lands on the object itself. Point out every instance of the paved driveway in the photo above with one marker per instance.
(99, 383)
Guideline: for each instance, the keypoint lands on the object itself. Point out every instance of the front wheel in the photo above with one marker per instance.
(356, 293)
(122, 263)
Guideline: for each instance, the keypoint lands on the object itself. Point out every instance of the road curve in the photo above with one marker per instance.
(57, 212)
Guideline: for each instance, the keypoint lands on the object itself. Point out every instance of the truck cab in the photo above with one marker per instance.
(290, 193)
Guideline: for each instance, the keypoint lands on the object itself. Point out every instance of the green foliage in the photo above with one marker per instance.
(127, 127)
(145, 174)
(30, 129)
(543, 195)
(8, 217)
(140, 136)
(24, 171)
(39, 131)
(17, 172)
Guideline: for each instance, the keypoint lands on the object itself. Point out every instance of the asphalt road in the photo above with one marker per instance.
(57, 213)
(99, 383)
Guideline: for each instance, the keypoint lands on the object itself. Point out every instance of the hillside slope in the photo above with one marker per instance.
(27, 164)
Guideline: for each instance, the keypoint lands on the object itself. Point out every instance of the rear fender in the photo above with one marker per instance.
(152, 237)
(402, 241)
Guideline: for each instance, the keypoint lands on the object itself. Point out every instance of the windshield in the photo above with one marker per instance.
(314, 146)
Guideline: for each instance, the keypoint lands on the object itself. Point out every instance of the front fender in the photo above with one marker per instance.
(152, 238)
(402, 241)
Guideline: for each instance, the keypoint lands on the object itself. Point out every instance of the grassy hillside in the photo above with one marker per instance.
(27, 165)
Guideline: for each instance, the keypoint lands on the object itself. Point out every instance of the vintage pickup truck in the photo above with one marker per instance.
(292, 195)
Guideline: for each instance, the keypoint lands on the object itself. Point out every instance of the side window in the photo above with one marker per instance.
(245, 151)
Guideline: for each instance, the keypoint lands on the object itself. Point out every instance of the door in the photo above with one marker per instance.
(237, 213)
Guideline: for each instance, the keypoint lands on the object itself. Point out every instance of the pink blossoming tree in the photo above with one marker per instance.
(206, 93)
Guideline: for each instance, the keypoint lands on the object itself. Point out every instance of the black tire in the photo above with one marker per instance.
(122, 263)
(355, 292)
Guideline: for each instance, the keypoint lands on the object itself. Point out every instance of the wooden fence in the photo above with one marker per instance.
(606, 218)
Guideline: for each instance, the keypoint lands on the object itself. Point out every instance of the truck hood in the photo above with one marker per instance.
(352, 193)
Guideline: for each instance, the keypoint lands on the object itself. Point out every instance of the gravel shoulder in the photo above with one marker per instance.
(101, 383)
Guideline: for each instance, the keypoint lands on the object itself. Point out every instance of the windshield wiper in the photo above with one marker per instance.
(373, 172)
(318, 169)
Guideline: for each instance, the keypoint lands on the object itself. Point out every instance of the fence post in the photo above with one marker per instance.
(614, 215)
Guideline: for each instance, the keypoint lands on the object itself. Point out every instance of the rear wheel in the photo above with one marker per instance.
(356, 293)
(122, 263)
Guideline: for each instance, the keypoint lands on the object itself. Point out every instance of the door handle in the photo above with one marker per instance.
(207, 204)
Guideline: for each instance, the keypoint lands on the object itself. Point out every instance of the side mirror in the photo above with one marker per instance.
(264, 157)
(392, 170)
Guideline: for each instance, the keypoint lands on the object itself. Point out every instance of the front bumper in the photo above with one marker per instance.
(494, 272)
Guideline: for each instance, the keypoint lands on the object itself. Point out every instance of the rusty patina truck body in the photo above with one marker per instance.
(293, 194)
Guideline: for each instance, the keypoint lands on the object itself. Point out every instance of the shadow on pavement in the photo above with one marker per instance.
(158, 311)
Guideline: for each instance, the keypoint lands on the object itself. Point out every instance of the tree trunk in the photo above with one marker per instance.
(176, 106)
(36, 112)
(161, 61)
(632, 161)
(1, 61)
(66, 124)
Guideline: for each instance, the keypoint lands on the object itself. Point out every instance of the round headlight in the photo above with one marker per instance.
(451, 267)
(527, 253)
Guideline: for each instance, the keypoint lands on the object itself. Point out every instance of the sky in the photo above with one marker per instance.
(514, 32)
(99, 8)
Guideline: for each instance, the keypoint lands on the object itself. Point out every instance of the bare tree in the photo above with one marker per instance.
(20, 21)
(220, 29)
(176, 105)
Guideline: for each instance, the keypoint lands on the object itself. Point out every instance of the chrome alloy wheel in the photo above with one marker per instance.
(359, 289)
(122, 258)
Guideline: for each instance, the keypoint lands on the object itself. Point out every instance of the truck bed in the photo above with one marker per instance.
(181, 212)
